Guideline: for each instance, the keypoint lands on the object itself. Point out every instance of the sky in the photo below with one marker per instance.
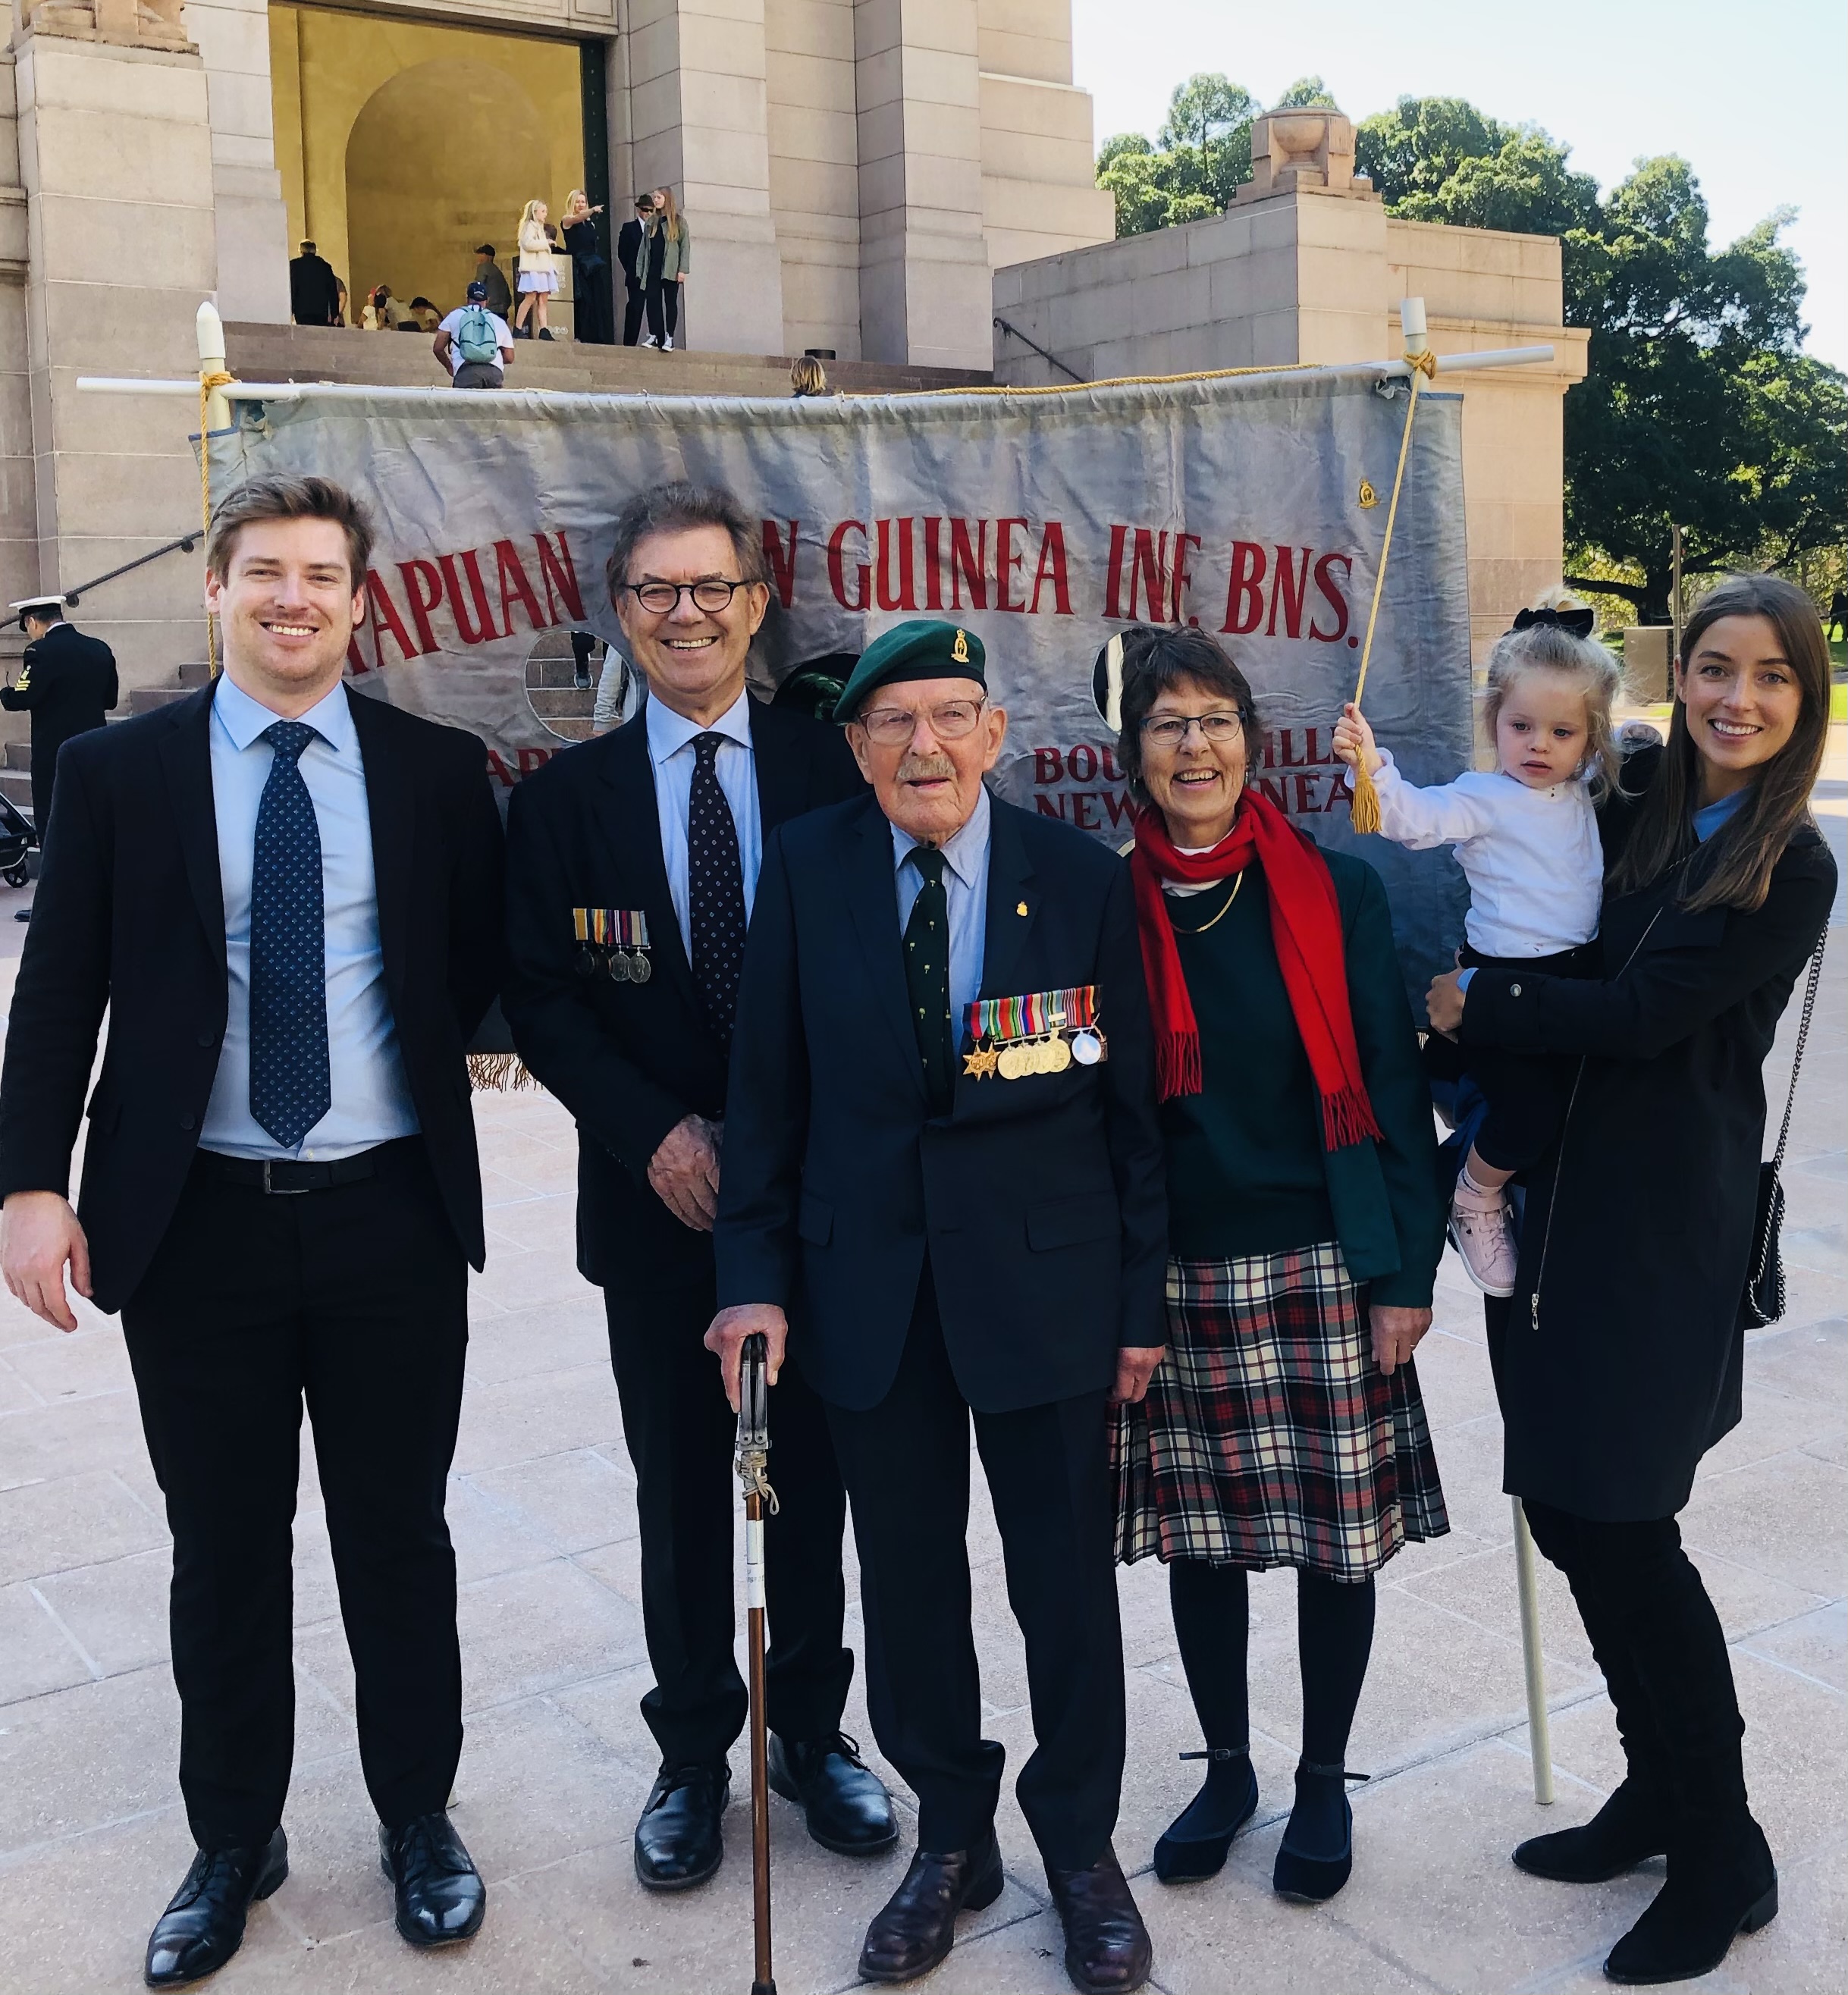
(1753, 98)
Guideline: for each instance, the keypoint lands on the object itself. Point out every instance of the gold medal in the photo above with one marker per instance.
(1058, 1055)
(1013, 1062)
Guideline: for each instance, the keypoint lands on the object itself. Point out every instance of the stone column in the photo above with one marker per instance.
(924, 282)
(699, 121)
(116, 164)
(254, 247)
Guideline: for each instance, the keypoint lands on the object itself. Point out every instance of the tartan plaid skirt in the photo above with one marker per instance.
(1269, 1436)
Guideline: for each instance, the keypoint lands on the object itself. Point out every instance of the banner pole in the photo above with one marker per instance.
(1539, 1742)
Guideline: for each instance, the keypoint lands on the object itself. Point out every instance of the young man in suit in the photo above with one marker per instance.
(632, 864)
(963, 1201)
(288, 898)
(639, 250)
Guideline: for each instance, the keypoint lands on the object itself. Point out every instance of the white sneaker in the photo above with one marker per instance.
(651, 340)
(1481, 1232)
(667, 345)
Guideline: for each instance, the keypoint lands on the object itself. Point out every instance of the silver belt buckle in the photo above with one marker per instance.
(279, 1191)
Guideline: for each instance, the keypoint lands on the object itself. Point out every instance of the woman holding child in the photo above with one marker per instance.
(1618, 1355)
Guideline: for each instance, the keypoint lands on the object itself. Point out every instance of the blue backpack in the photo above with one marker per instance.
(475, 338)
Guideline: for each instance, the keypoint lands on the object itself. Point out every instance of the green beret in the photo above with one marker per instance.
(921, 649)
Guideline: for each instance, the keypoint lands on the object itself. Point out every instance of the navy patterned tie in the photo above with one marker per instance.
(927, 977)
(714, 892)
(290, 1088)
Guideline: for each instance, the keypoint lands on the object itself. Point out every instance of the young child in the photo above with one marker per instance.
(1527, 839)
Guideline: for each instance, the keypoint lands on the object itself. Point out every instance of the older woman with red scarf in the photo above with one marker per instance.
(1284, 1427)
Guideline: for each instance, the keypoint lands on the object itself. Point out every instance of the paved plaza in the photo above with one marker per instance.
(558, 1761)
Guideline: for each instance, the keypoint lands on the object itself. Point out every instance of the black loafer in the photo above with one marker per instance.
(678, 1843)
(1107, 1946)
(440, 1897)
(914, 1929)
(203, 1926)
(845, 1803)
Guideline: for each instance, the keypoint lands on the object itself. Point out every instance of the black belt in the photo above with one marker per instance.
(284, 1176)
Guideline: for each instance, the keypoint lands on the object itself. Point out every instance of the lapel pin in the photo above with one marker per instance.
(1021, 909)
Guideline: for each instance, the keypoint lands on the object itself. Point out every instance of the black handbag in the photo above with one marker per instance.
(1764, 1300)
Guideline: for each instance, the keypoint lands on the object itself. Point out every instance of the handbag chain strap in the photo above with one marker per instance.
(1796, 1058)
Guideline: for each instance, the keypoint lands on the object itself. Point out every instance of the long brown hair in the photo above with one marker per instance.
(1740, 874)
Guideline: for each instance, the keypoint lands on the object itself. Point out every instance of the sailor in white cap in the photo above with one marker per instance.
(67, 683)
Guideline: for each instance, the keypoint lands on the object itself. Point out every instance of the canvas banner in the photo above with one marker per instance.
(1254, 509)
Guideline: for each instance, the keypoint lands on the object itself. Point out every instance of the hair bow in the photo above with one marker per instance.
(1580, 623)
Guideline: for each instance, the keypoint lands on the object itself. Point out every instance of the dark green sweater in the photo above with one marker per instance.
(1247, 1174)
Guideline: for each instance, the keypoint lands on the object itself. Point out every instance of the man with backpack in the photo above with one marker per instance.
(474, 343)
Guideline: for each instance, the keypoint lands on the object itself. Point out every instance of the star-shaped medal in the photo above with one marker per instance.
(980, 1063)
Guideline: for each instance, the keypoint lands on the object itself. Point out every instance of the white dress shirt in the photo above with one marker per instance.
(371, 1102)
(1532, 857)
(966, 888)
(670, 737)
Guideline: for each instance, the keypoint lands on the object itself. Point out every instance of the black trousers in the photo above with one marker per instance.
(354, 1301)
(906, 1462)
(636, 301)
(682, 1435)
(1526, 1094)
(670, 307)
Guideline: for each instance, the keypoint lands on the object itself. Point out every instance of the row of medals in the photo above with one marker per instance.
(620, 965)
(1017, 1058)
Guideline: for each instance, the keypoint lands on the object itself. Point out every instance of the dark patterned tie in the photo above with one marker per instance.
(290, 1088)
(927, 976)
(714, 892)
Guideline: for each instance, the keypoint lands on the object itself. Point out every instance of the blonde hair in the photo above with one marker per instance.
(669, 211)
(527, 214)
(1546, 647)
(807, 376)
(1560, 597)
(577, 198)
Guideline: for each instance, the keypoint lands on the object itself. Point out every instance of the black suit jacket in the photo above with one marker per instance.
(130, 914)
(1041, 1201)
(630, 1060)
(67, 684)
(641, 254)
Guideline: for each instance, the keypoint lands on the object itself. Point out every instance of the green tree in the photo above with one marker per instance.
(1206, 108)
(1307, 93)
(1196, 164)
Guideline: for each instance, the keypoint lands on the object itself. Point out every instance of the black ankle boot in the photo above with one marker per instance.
(1722, 1882)
(1311, 1865)
(1631, 1827)
(1195, 1843)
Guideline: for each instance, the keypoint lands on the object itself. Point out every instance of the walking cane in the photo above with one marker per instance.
(753, 1448)
(1540, 1744)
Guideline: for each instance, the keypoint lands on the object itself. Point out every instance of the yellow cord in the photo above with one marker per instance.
(208, 381)
(1365, 812)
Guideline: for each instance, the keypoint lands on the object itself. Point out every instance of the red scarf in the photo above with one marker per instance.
(1305, 926)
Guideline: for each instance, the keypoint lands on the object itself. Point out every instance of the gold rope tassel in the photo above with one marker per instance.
(208, 380)
(1365, 812)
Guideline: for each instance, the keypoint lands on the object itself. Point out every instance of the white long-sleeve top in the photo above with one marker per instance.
(1532, 857)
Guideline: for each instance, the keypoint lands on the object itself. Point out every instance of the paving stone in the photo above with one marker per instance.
(74, 1520)
(116, 1610)
(571, 1502)
(1787, 1516)
(80, 1366)
(36, 1653)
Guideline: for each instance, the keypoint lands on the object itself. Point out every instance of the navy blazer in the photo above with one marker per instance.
(1041, 1201)
(630, 1060)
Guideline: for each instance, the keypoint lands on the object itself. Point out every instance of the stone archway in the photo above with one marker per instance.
(442, 157)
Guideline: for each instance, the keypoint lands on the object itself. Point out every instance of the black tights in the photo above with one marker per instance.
(1334, 1637)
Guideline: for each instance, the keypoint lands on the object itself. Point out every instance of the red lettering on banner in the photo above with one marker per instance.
(1006, 559)
(1333, 596)
(1086, 754)
(968, 564)
(1049, 766)
(837, 581)
(355, 664)
(933, 564)
(1051, 566)
(557, 570)
(1113, 585)
(1273, 787)
(1148, 567)
(498, 769)
(1182, 578)
(385, 618)
(530, 759)
(902, 595)
(1245, 593)
(410, 573)
(484, 626)
(780, 560)
(515, 587)
(1289, 586)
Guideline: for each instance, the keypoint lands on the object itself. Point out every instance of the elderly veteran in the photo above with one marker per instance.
(1284, 1427)
(942, 1147)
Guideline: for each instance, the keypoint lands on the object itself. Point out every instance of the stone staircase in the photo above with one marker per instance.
(258, 352)
(15, 756)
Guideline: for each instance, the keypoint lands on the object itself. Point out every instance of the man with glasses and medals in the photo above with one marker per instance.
(942, 1197)
(633, 862)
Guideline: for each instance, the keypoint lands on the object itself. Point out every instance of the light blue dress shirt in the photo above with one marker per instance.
(966, 888)
(371, 1099)
(670, 737)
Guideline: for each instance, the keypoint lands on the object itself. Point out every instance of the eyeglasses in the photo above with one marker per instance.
(711, 593)
(1169, 730)
(894, 726)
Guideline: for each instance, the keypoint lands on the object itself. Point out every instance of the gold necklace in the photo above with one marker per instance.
(1237, 881)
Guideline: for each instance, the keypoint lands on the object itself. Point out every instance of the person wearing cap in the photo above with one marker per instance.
(67, 683)
(943, 1197)
(463, 338)
(499, 293)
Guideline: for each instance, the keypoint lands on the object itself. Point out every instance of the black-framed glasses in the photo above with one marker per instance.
(1169, 730)
(895, 726)
(711, 593)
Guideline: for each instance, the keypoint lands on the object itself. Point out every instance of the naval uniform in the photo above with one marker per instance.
(67, 684)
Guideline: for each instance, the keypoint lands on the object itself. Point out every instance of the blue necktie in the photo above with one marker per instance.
(714, 891)
(289, 1088)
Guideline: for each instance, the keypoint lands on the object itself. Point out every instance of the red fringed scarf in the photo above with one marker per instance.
(1305, 925)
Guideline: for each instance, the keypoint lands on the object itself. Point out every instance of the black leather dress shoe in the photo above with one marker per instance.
(917, 1927)
(845, 1802)
(440, 1897)
(203, 1926)
(1107, 1949)
(678, 1843)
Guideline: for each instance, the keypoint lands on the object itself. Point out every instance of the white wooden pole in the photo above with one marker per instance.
(1540, 1743)
(212, 361)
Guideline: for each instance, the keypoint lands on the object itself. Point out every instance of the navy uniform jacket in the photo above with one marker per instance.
(630, 1060)
(1040, 1200)
(67, 684)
